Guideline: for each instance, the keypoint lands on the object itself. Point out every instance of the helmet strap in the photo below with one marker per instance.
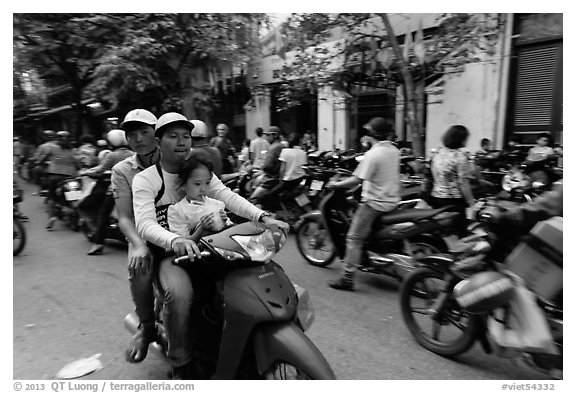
(150, 158)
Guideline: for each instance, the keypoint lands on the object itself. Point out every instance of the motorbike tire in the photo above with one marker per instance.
(285, 371)
(25, 172)
(311, 237)
(425, 285)
(19, 236)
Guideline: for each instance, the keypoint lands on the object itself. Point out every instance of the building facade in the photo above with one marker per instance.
(515, 90)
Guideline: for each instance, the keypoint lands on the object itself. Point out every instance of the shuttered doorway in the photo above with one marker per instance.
(537, 92)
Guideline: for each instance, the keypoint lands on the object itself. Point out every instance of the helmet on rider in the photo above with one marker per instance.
(171, 119)
(117, 138)
(49, 134)
(379, 128)
(63, 134)
(136, 118)
(101, 143)
(200, 129)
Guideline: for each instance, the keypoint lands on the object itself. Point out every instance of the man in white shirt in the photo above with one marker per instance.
(379, 173)
(292, 161)
(542, 150)
(154, 190)
(258, 148)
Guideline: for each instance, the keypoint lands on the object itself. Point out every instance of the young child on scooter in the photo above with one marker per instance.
(196, 215)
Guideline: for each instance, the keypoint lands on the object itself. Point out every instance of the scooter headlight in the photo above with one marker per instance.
(262, 247)
(72, 185)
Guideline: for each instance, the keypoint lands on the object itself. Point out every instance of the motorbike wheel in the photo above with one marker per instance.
(454, 331)
(25, 172)
(19, 237)
(285, 371)
(314, 243)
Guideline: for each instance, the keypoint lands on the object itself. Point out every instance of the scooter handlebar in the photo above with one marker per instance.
(186, 259)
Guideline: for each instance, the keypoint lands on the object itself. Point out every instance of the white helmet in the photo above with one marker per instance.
(117, 138)
(200, 129)
(138, 116)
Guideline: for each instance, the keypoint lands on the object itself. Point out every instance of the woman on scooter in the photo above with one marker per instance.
(154, 190)
(62, 164)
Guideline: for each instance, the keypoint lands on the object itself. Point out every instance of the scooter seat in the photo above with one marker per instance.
(410, 215)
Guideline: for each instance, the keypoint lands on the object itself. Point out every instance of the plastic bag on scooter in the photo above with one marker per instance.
(521, 326)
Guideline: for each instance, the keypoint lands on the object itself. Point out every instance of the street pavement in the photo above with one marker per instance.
(68, 305)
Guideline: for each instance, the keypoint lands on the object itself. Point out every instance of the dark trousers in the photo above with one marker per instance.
(274, 196)
(103, 219)
(459, 206)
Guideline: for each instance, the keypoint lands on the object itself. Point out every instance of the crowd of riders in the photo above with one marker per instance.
(167, 169)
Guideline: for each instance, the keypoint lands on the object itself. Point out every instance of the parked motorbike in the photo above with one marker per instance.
(291, 205)
(249, 319)
(542, 170)
(398, 239)
(479, 293)
(19, 232)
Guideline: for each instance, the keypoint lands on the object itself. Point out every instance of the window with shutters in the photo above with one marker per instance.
(536, 82)
(535, 87)
(536, 92)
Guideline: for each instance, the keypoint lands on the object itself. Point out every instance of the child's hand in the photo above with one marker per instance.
(223, 216)
(206, 220)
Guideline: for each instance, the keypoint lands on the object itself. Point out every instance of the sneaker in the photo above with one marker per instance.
(97, 249)
(342, 283)
(50, 224)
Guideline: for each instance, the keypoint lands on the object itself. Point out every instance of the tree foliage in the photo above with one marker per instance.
(365, 49)
(173, 55)
(126, 59)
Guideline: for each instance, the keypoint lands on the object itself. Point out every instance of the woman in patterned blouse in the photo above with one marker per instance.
(452, 170)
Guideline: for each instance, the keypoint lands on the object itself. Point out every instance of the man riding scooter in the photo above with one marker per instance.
(154, 190)
(379, 173)
(101, 197)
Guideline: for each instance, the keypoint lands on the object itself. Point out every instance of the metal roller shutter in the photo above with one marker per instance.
(535, 86)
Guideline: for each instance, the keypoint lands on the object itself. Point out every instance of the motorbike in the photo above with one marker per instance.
(291, 204)
(488, 292)
(68, 193)
(19, 232)
(249, 319)
(543, 170)
(398, 239)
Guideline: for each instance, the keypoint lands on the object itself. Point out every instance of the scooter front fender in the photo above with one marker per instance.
(285, 342)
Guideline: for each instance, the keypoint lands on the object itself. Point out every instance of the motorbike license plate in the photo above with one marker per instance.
(316, 185)
(73, 195)
(302, 200)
